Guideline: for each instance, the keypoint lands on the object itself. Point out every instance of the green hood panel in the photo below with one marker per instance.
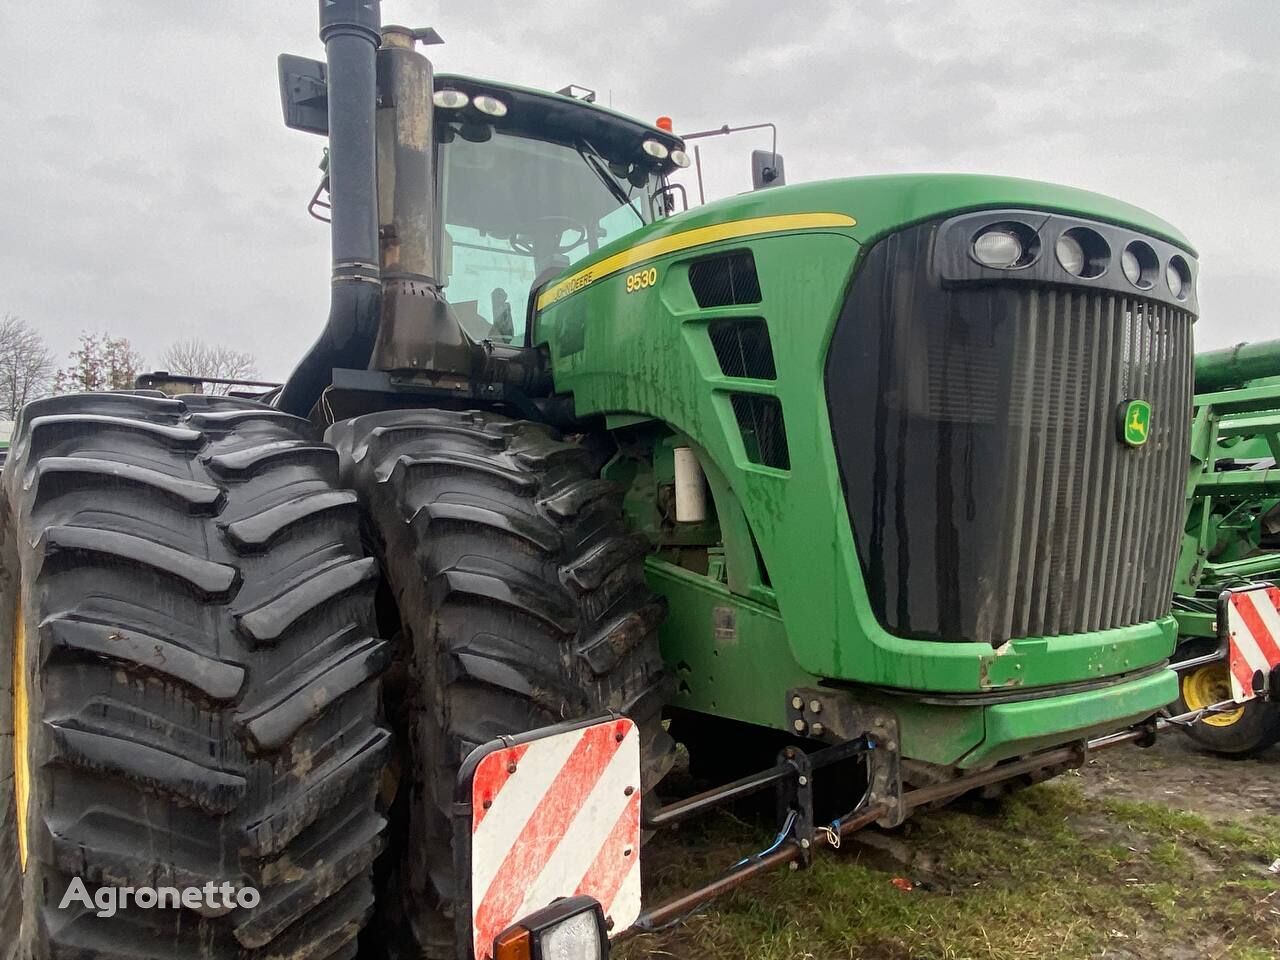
(883, 204)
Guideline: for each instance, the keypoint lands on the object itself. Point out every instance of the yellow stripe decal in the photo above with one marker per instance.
(699, 236)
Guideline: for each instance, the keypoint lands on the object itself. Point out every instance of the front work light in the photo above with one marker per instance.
(655, 149)
(679, 158)
(1006, 246)
(1083, 253)
(1178, 275)
(569, 929)
(1139, 264)
(1070, 254)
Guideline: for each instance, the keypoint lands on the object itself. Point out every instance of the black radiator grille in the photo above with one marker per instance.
(1093, 522)
(977, 429)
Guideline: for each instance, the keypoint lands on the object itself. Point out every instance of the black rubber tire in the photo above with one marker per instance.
(202, 668)
(522, 602)
(1256, 730)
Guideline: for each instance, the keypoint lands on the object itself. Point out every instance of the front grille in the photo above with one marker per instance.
(977, 429)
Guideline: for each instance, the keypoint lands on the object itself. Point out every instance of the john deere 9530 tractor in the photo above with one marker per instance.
(890, 465)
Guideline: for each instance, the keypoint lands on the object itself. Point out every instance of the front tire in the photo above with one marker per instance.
(188, 635)
(522, 602)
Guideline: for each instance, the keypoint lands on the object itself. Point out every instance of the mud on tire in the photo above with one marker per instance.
(184, 581)
(522, 602)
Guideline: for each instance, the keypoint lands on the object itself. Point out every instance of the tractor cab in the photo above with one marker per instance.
(527, 184)
(530, 182)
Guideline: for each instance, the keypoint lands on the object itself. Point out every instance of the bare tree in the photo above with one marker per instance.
(99, 363)
(195, 358)
(26, 366)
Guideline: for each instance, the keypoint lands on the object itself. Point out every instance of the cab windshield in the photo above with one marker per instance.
(516, 211)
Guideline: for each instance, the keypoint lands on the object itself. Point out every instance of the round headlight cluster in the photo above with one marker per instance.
(1006, 246)
(1081, 252)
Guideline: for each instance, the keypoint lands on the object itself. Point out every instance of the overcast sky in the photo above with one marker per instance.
(148, 187)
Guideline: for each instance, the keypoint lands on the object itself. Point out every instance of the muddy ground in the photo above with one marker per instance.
(1157, 854)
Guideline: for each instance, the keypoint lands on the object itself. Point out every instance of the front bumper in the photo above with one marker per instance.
(972, 735)
(1022, 727)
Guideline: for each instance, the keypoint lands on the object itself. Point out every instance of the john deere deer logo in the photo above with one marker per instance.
(1135, 422)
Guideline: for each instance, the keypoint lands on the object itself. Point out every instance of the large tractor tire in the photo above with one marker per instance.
(190, 683)
(522, 603)
(1244, 732)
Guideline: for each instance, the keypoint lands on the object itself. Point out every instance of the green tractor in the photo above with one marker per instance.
(889, 466)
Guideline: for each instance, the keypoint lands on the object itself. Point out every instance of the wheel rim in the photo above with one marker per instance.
(21, 758)
(1207, 685)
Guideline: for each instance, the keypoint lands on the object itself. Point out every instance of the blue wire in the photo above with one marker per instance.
(778, 841)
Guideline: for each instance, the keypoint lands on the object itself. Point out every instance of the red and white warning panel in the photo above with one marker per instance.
(1253, 637)
(556, 817)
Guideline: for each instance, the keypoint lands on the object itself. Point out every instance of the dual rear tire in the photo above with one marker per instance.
(192, 626)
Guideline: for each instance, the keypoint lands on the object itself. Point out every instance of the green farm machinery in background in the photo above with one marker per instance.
(1232, 533)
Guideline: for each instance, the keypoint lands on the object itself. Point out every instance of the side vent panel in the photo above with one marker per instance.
(725, 280)
(764, 435)
(743, 348)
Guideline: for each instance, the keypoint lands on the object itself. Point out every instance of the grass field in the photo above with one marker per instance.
(1144, 854)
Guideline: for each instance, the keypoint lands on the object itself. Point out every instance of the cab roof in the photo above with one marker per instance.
(555, 116)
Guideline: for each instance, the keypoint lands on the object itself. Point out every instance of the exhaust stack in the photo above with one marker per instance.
(351, 33)
(417, 331)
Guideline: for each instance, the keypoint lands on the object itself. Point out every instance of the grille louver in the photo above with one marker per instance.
(725, 280)
(743, 348)
(764, 435)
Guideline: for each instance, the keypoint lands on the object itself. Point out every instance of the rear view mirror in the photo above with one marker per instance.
(767, 169)
(304, 94)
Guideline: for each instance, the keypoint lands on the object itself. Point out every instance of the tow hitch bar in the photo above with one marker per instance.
(883, 803)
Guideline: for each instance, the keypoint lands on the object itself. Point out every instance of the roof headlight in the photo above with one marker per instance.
(490, 105)
(450, 99)
(655, 149)
(679, 158)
